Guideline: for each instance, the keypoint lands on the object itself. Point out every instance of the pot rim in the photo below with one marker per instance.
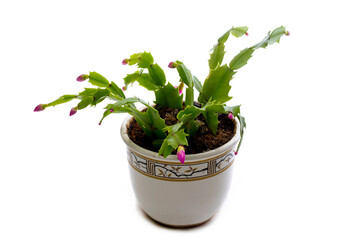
(190, 158)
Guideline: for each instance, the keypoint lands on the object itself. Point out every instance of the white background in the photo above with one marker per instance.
(297, 175)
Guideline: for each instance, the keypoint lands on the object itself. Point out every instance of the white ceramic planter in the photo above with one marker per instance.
(176, 194)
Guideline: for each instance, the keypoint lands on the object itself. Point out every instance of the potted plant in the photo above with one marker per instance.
(180, 151)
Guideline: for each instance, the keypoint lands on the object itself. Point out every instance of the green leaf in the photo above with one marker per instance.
(212, 121)
(242, 126)
(143, 60)
(144, 79)
(185, 75)
(189, 113)
(173, 128)
(197, 84)
(239, 31)
(147, 82)
(272, 37)
(165, 149)
(191, 128)
(241, 59)
(116, 90)
(100, 95)
(117, 105)
(131, 78)
(85, 102)
(276, 35)
(217, 56)
(60, 100)
(168, 96)
(98, 80)
(178, 138)
(216, 85)
(235, 110)
(157, 75)
(189, 97)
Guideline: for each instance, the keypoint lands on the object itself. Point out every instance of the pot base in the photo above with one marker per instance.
(176, 226)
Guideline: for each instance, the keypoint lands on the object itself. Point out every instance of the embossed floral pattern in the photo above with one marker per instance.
(180, 172)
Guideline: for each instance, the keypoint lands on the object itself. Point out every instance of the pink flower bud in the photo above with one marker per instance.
(39, 108)
(247, 34)
(125, 61)
(231, 116)
(181, 154)
(111, 110)
(73, 111)
(287, 33)
(236, 153)
(124, 88)
(172, 65)
(181, 87)
(82, 77)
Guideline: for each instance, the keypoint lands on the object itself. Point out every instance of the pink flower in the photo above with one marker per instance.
(125, 61)
(236, 153)
(39, 108)
(181, 154)
(181, 87)
(73, 111)
(82, 77)
(172, 65)
(231, 116)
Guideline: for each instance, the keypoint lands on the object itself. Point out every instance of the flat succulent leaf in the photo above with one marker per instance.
(239, 31)
(98, 80)
(212, 121)
(197, 84)
(185, 75)
(241, 59)
(60, 100)
(165, 149)
(216, 85)
(131, 78)
(157, 75)
(100, 95)
(191, 128)
(242, 126)
(85, 102)
(272, 37)
(169, 96)
(87, 92)
(277, 34)
(143, 60)
(189, 96)
(147, 82)
(116, 90)
(178, 138)
(217, 56)
(173, 128)
(189, 113)
(235, 110)
(119, 104)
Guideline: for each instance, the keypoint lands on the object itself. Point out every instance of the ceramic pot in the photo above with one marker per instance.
(180, 195)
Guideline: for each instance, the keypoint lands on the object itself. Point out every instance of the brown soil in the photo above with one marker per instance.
(203, 140)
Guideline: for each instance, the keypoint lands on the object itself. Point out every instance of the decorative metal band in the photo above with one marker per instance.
(170, 171)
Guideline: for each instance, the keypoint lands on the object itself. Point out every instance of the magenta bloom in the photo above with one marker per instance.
(181, 154)
(82, 77)
(172, 65)
(231, 116)
(125, 61)
(73, 111)
(39, 108)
